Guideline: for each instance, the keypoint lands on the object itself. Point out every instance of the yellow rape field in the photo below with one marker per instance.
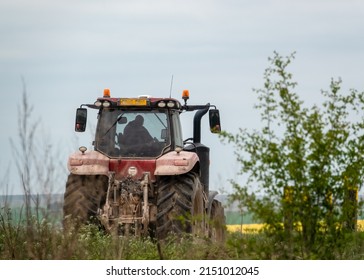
(246, 228)
(254, 228)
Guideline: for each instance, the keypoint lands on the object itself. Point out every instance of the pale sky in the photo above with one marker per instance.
(69, 51)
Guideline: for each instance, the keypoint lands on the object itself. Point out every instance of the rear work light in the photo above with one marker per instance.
(171, 104)
(98, 103)
(161, 104)
(106, 104)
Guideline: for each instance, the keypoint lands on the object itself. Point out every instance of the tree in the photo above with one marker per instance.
(305, 163)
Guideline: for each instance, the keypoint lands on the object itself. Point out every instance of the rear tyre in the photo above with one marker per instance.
(84, 195)
(217, 222)
(180, 205)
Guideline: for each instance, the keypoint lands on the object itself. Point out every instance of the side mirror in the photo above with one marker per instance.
(81, 119)
(214, 117)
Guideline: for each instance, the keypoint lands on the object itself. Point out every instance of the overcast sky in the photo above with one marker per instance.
(68, 51)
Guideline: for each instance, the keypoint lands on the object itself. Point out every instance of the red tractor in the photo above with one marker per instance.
(142, 178)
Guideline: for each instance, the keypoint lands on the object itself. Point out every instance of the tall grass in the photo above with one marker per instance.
(41, 239)
(38, 238)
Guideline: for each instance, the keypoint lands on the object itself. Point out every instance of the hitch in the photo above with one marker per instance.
(126, 208)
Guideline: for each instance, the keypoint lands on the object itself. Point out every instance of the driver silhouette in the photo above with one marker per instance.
(135, 133)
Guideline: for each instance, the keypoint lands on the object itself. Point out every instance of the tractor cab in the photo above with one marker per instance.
(134, 133)
(143, 127)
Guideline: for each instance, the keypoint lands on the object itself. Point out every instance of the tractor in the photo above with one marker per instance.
(142, 178)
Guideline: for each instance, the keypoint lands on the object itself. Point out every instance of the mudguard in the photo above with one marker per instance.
(88, 163)
(175, 163)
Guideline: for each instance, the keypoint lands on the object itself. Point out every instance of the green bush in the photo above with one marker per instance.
(304, 166)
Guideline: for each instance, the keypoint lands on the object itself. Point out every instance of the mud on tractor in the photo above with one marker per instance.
(142, 177)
